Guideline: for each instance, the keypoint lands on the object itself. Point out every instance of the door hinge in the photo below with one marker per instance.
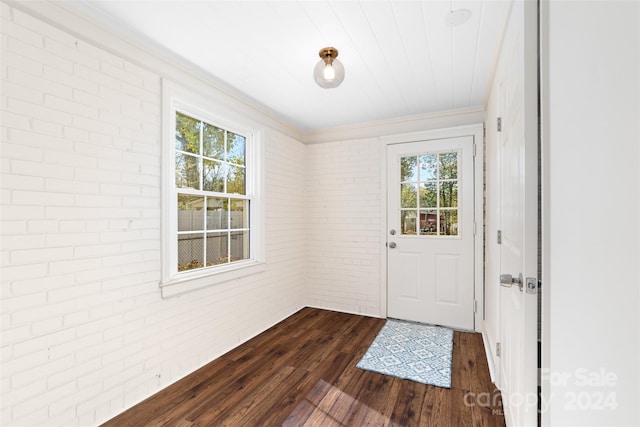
(498, 349)
(474, 228)
(499, 240)
(475, 306)
(474, 150)
(499, 124)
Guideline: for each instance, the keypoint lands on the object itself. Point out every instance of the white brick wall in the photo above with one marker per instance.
(85, 333)
(342, 187)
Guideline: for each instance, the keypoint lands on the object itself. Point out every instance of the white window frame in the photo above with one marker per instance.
(176, 98)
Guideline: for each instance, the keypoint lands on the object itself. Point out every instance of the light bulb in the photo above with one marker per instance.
(329, 73)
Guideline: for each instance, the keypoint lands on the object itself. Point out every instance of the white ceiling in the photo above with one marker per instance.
(401, 57)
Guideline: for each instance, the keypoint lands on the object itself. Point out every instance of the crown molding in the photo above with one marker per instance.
(400, 125)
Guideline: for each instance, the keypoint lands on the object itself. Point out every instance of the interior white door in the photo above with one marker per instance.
(430, 249)
(519, 226)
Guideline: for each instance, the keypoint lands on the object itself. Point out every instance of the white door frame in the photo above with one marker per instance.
(477, 131)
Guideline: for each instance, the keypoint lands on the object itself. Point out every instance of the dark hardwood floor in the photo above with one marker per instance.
(302, 372)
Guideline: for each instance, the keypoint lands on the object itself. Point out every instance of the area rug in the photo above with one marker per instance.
(412, 351)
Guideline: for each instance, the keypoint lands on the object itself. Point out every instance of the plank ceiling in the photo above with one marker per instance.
(401, 57)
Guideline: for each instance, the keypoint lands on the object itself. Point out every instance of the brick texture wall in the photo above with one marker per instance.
(85, 333)
(344, 219)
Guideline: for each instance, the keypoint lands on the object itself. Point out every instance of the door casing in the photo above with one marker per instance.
(477, 132)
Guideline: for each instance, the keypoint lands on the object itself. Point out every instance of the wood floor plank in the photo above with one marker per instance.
(302, 372)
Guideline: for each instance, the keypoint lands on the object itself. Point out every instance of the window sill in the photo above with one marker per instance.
(198, 280)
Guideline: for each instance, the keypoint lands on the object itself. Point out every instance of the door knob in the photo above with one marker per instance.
(392, 245)
(392, 232)
(508, 280)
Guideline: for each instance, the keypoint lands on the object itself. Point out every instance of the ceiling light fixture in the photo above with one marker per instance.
(329, 72)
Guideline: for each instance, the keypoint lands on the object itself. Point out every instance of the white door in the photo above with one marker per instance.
(430, 249)
(519, 226)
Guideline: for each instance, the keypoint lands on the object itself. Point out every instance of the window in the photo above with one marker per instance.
(429, 194)
(211, 216)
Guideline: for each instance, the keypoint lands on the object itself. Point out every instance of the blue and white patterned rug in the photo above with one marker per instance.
(411, 351)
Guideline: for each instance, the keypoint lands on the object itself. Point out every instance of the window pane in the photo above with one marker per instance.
(190, 212)
(217, 213)
(217, 248)
(190, 251)
(236, 180)
(408, 169)
(449, 194)
(408, 222)
(213, 175)
(187, 133)
(428, 167)
(239, 245)
(429, 222)
(428, 195)
(449, 166)
(213, 142)
(187, 171)
(235, 148)
(239, 213)
(408, 195)
(449, 223)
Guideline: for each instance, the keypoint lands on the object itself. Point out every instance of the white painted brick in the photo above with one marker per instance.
(23, 63)
(23, 409)
(46, 128)
(71, 80)
(47, 326)
(120, 74)
(95, 125)
(44, 342)
(73, 134)
(71, 107)
(37, 140)
(68, 50)
(10, 228)
(71, 239)
(22, 182)
(39, 198)
(27, 256)
(22, 33)
(24, 241)
(38, 83)
(70, 186)
(38, 111)
(39, 54)
(21, 212)
(97, 75)
(26, 285)
(28, 94)
(22, 272)
(73, 265)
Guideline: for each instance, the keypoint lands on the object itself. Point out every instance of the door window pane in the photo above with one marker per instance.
(449, 194)
(409, 169)
(449, 223)
(428, 167)
(408, 195)
(429, 194)
(408, 223)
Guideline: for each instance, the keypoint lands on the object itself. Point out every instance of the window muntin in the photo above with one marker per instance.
(210, 191)
(429, 188)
